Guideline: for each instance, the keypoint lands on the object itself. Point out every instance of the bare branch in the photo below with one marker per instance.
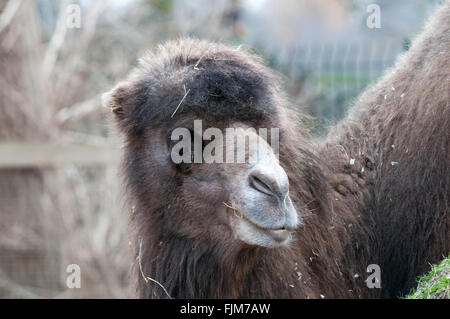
(8, 13)
(57, 39)
(78, 110)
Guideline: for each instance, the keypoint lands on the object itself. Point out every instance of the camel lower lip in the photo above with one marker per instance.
(279, 234)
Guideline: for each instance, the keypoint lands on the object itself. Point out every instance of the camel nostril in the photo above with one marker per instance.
(258, 184)
(270, 180)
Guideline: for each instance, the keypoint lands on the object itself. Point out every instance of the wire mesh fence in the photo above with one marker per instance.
(331, 75)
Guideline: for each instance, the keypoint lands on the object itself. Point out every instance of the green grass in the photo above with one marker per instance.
(435, 284)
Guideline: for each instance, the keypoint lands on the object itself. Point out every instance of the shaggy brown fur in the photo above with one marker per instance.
(391, 207)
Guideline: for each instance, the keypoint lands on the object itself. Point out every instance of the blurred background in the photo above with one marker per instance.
(60, 200)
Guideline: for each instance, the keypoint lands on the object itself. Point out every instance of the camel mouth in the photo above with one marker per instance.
(255, 234)
(273, 230)
(251, 233)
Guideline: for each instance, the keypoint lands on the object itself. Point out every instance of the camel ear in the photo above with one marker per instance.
(117, 99)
